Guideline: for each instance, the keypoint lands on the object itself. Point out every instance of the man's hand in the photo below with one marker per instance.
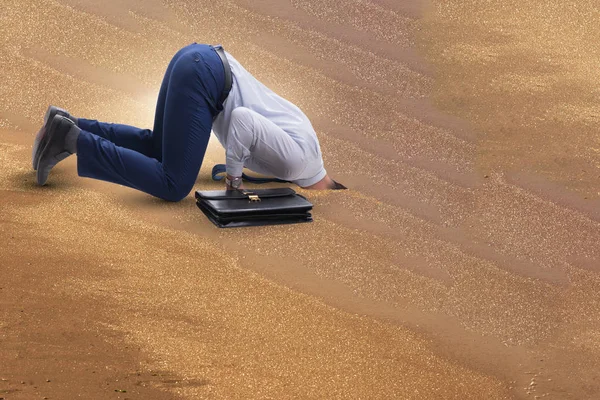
(234, 183)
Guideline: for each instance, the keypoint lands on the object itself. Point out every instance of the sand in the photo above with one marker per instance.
(463, 263)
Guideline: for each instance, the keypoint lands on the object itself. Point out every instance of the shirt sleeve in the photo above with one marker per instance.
(239, 141)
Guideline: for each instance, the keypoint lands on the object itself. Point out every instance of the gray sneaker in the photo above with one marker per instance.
(50, 113)
(55, 145)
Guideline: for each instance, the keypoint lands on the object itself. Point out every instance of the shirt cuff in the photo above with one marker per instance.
(234, 168)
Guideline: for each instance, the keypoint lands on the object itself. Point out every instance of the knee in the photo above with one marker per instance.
(177, 191)
(176, 196)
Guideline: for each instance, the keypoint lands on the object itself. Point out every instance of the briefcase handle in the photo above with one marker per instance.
(221, 169)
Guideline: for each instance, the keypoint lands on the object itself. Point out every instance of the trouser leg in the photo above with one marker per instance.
(130, 137)
(145, 141)
(190, 102)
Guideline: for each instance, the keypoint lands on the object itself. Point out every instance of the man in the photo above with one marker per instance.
(204, 87)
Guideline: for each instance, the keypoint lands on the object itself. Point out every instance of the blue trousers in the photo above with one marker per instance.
(163, 162)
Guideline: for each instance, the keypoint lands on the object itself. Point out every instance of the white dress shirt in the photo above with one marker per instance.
(265, 133)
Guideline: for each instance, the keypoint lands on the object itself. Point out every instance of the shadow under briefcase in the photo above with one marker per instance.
(239, 208)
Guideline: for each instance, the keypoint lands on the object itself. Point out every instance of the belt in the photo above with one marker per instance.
(228, 78)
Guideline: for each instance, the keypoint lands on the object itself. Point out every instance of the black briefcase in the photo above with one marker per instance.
(237, 208)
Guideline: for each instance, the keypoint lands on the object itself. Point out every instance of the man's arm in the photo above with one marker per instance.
(236, 154)
(239, 142)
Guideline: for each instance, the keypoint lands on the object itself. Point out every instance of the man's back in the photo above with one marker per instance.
(249, 93)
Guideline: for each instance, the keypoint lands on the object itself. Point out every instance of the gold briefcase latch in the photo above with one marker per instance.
(253, 197)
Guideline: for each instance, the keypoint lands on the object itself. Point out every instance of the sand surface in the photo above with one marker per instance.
(463, 263)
